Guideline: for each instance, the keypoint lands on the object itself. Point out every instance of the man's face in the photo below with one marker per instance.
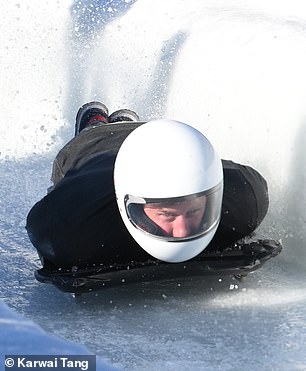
(180, 219)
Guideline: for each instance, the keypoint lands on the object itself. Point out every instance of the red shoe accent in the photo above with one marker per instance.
(96, 119)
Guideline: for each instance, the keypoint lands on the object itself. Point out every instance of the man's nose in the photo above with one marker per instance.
(180, 227)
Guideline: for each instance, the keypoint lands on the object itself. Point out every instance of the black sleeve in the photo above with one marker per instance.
(79, 222)
(245, 202)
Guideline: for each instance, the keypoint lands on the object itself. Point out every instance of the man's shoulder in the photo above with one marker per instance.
(234, 166)
(230, 165)
(238, 172)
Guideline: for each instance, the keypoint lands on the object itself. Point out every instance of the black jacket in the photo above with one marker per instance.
(78, 222)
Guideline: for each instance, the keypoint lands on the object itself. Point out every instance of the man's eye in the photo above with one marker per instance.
(167, 214)
(193, 211)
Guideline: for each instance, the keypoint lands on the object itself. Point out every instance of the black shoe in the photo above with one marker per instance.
(89, 114)
(123, 115)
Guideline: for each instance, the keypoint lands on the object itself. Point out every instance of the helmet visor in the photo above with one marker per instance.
(177, 218)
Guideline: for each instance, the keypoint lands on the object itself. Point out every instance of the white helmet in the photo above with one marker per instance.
(169, 185)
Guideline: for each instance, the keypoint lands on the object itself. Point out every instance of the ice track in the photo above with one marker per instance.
(235, 70)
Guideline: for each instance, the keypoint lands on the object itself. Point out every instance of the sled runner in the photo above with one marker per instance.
(237, 260)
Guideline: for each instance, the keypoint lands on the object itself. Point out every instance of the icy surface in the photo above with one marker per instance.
(235, 70)
(20, 336)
